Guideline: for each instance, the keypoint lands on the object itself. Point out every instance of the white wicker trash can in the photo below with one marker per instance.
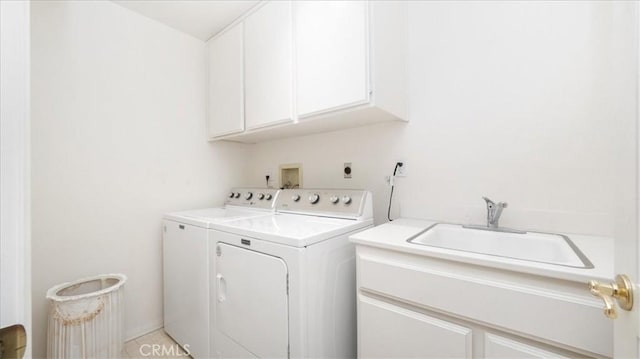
(86, 318)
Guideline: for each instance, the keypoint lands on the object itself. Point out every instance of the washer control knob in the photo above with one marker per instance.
(334, 199)
(231, 195)
(346, 199)
(248, 195)
(314, 198)
(295, 197)
(237, 195)
(261, 196)
(268, 196)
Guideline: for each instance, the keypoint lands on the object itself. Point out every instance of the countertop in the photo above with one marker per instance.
(394, 235)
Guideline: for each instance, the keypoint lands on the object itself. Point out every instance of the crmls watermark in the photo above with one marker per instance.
(162, 350)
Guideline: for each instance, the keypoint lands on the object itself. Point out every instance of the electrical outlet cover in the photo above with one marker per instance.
(347, 170)
(402, 171)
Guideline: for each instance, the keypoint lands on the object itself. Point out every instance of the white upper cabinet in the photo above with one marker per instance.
(351, 63)
(306, 67)
(331, 55)
(268, 65)
(226, 84)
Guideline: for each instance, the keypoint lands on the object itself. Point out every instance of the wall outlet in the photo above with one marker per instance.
(402, 170)
(347, 170)
(268, 176)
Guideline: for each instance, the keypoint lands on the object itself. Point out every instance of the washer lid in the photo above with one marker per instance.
(292, 229)
(207, 216)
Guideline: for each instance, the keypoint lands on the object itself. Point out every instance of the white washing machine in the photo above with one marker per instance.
(186, 264)
(285, 283)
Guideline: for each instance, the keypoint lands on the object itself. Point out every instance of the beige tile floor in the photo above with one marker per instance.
(154, 345)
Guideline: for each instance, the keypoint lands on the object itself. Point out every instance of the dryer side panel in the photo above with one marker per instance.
(186, 294)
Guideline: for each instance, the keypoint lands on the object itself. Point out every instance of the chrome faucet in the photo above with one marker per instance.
(494, 210)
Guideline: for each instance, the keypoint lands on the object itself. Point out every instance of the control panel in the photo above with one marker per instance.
(331, 202)
(252, 197)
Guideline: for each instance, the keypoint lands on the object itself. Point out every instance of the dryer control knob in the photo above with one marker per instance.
(237, 195)
(346, 199)
(314, 198)
(268, 196)
(248, 195)
(295, 197)
(334, 199)
(261, 196)
(231, 195)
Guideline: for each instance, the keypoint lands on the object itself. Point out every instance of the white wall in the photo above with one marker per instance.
(15, 275)
(119, 138)
(511, 100)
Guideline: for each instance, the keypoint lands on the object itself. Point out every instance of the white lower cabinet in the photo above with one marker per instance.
(387, 330)
(412, 306)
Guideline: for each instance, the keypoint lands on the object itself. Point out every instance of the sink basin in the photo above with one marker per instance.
(538, 247)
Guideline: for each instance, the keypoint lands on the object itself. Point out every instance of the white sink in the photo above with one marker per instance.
(529, 246)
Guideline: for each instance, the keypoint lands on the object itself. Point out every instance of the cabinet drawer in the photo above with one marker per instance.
(539, 312)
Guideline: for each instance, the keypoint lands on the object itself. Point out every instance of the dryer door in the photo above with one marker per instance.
(252, 300)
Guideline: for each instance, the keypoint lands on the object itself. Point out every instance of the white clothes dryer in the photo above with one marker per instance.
(285, 283)
(186, 274)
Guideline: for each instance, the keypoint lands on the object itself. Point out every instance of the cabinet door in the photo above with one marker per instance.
(268, 71)
(331, 55)
(226, 99)
(496, 346)
(388, 331)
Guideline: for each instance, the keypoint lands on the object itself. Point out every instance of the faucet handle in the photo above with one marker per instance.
(491, 203)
